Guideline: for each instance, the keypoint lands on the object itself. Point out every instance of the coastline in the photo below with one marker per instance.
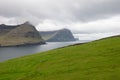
(25, 44)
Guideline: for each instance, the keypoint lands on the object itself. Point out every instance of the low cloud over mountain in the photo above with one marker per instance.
(80, 16)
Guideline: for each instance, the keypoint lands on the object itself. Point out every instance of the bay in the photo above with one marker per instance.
(7, 53)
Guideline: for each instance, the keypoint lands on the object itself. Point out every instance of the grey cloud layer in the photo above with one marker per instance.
(61, 10)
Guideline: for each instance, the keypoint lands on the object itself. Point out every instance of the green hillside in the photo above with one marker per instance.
(98, 60)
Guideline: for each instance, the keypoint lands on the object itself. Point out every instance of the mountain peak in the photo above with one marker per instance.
(61, 35)
(27, 23)
(22, 34)
(64, 29)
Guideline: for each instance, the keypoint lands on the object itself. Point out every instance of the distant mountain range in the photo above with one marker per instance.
(57, 36)
(24, 34)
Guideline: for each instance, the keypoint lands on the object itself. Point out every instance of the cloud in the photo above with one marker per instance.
(81, 16)
(61, 10)
(108, 25)
(99, 26)
(93, 36)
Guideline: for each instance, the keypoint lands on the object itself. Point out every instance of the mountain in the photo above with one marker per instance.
(24, 34)
(97, 60)
(57, 36)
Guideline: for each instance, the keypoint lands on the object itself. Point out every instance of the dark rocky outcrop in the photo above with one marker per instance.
(57, 36)
(24, 34)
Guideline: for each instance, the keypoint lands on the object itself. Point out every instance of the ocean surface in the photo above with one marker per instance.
(7, 53)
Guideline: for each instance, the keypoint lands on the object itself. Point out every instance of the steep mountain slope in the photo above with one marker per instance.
(57, 36)
(4, 29)
(23, 34)
(98, 60)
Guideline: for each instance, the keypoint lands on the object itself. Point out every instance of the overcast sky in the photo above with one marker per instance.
(80, 16)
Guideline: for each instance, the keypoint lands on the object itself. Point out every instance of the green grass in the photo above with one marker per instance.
(98, 60)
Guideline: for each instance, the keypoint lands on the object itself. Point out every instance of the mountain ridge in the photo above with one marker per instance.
(61, 35)
(23, 34)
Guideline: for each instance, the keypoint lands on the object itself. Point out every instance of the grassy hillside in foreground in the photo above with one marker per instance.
(98, 60)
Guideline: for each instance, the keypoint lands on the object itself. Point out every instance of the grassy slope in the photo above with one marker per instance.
(99, 60)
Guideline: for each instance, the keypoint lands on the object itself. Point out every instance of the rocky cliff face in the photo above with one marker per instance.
(23, 34)
(58, 36)
(4, 29)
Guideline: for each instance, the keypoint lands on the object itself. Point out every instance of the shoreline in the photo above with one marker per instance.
(25, 44)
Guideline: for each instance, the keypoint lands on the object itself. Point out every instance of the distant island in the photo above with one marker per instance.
(26, 34)
(23, 34)
(57, 36)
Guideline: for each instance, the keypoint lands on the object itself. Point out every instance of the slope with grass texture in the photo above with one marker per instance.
(98, 60)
